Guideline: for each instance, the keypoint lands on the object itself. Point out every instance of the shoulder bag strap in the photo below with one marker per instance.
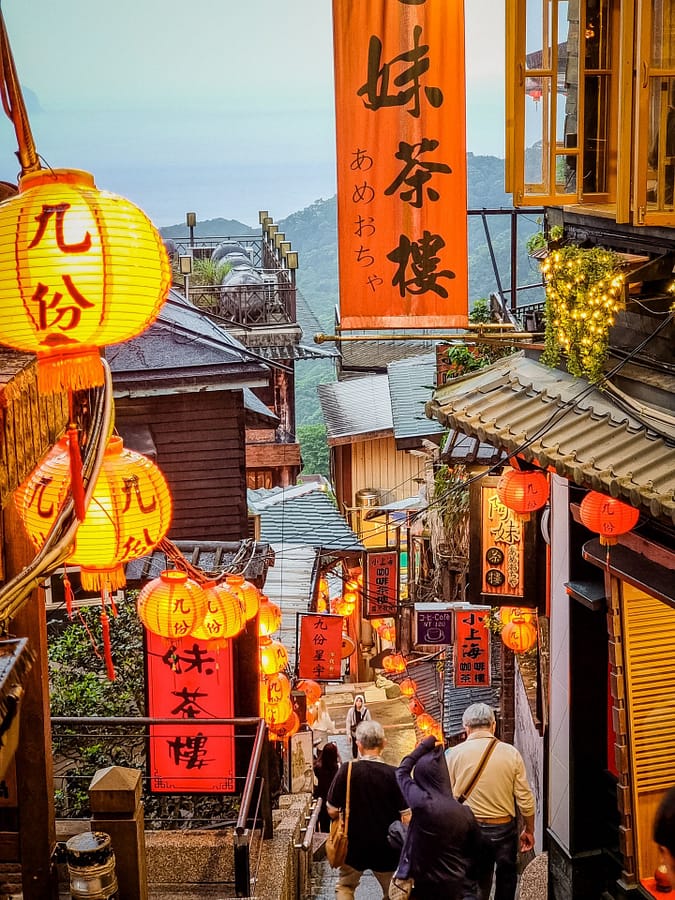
(349, 780)
(479, 771)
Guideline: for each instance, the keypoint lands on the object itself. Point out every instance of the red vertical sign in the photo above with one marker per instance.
(320, 654)
(401, 162)
(381, 594)
(189, 683)
(472, 648)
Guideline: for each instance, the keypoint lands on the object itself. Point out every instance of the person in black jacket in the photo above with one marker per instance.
(325, 770)
(443, 847)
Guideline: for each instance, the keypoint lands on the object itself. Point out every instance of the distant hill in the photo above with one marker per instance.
(210, 228)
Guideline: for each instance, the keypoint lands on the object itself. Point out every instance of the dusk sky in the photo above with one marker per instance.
(219, 107)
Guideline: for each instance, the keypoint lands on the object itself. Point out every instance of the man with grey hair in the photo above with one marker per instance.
(500, 787)
(375, 801)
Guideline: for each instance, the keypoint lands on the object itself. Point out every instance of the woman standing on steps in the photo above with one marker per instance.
(359, 712)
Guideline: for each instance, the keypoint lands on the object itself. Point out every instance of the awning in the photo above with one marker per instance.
(257, 411)
(557, 421)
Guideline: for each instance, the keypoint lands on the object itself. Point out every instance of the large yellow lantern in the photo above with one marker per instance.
(171, 605)
(79, 268)
(129, 512)
(269, 617)
(223, 618)
(248, 594)
(273, 656)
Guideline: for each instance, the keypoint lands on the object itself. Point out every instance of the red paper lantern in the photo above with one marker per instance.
(519, 635)
(426, 723)
(310, 688)
(394, 663)
(408, 687)
(523, 492)
(416, 708)
(274, 688)
(284, 730)
(224, 617)
(273, 656)
(348, 646)
(607, 516)
(129, 513)
(79, 268)
(509, 613)
(172, 605)
(342, 606)
(269, 616)
(248, 594)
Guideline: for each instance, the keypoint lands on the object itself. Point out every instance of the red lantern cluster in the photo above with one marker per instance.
(607, 516)
(523, 492)
(394, 663)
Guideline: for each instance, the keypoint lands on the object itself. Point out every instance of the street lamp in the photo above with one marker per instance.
(191, 221)
(185, 268)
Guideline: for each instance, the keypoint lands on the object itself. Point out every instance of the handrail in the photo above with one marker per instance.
(253, 765)
(310, 827)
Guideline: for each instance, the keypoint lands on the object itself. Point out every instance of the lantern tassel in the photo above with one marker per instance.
(107, 649)
(76, 483)
(68, 594)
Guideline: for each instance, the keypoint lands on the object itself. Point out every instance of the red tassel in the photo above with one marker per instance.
(68, 593)
(113, 605)
(76, 483)
(107, 649)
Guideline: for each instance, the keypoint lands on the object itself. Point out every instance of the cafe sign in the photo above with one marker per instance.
(472, 646)
(433, 623)
(381, 585)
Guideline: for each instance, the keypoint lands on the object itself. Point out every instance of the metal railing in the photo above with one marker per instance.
(250, 305)
(124, 741)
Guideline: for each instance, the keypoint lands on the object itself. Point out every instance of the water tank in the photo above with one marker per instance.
(368, 497)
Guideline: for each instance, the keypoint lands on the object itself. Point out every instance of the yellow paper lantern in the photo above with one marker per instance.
(171, 605)
(273, 656)
(269, 617)
(129, 513)
(274, 689)
(79, 268)
(285, 730)
(509, 613)
(223, 618)
(394, 663)
(520, 635)
(248, 594)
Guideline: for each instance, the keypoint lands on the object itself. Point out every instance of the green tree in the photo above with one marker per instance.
(314, 450)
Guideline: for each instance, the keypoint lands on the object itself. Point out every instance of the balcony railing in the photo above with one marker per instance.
(250, 305)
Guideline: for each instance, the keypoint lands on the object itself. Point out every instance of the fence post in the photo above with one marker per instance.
(115, 800)
(242, 863)
(266, 798)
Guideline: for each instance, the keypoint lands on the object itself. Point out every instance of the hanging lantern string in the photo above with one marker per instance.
(15, 593)
(14, 105)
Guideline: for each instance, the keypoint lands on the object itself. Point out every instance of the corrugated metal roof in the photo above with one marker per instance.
(303, 514)
(457, 699)
(290, 584)
(411, 384)
(375, 356)
(356, 406)
(556, 420)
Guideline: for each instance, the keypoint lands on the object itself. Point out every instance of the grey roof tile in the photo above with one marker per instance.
(356, 406)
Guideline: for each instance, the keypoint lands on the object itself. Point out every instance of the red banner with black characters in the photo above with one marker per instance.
(190, 683)
(381, 584)
(472, 647)
(320, 653)
(401, 163)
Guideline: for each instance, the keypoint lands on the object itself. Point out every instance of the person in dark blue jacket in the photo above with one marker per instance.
(443, 847)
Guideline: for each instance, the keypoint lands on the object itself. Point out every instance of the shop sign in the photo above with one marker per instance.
(502, 548)
(472, 647)
(381, 586)
(320, 653)
(191, 684)
(433, 623)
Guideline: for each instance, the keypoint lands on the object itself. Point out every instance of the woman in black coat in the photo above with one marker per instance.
(325, 770)
(442, 849)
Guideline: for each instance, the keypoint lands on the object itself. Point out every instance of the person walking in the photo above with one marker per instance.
(359, 712)
(443, 847)
(501, 786)
(375, 801)
(325, 770)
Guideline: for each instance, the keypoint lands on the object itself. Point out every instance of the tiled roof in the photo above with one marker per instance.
(356, 406)
(304, 514)
(375, 356)
(556, 420)
(209, 556)
(411, 384)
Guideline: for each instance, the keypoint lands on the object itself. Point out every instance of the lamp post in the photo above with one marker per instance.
(185, 267)
(191, 221)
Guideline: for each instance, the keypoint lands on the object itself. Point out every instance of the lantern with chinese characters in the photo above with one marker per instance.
(509, 613)
(269, 616)
(223, 618)
(79, 269)
(607, 516)
(520, 635)
(248, 594)
(408, 687)
(283, 730)
(523, 492)
(310, 689)
(273, 656)
(129, 512)
(393, 663)
(274, 688)
(172, 605)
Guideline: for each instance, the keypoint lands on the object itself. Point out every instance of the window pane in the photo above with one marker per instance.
(661, 158)
(596, 33)
(663, 33)
(596, 114)
(568, 80)
(566, 174)
(537, 111)
(537, 36)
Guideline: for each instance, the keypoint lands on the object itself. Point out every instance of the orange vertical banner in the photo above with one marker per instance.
(401, 163)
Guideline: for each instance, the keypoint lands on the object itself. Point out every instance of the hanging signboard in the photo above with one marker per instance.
(472, 647)
(433, 623)
(401, 163)
(320, 653)
(191, 684)
(381, 584)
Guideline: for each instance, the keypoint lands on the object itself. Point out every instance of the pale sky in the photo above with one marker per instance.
(221, 107)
